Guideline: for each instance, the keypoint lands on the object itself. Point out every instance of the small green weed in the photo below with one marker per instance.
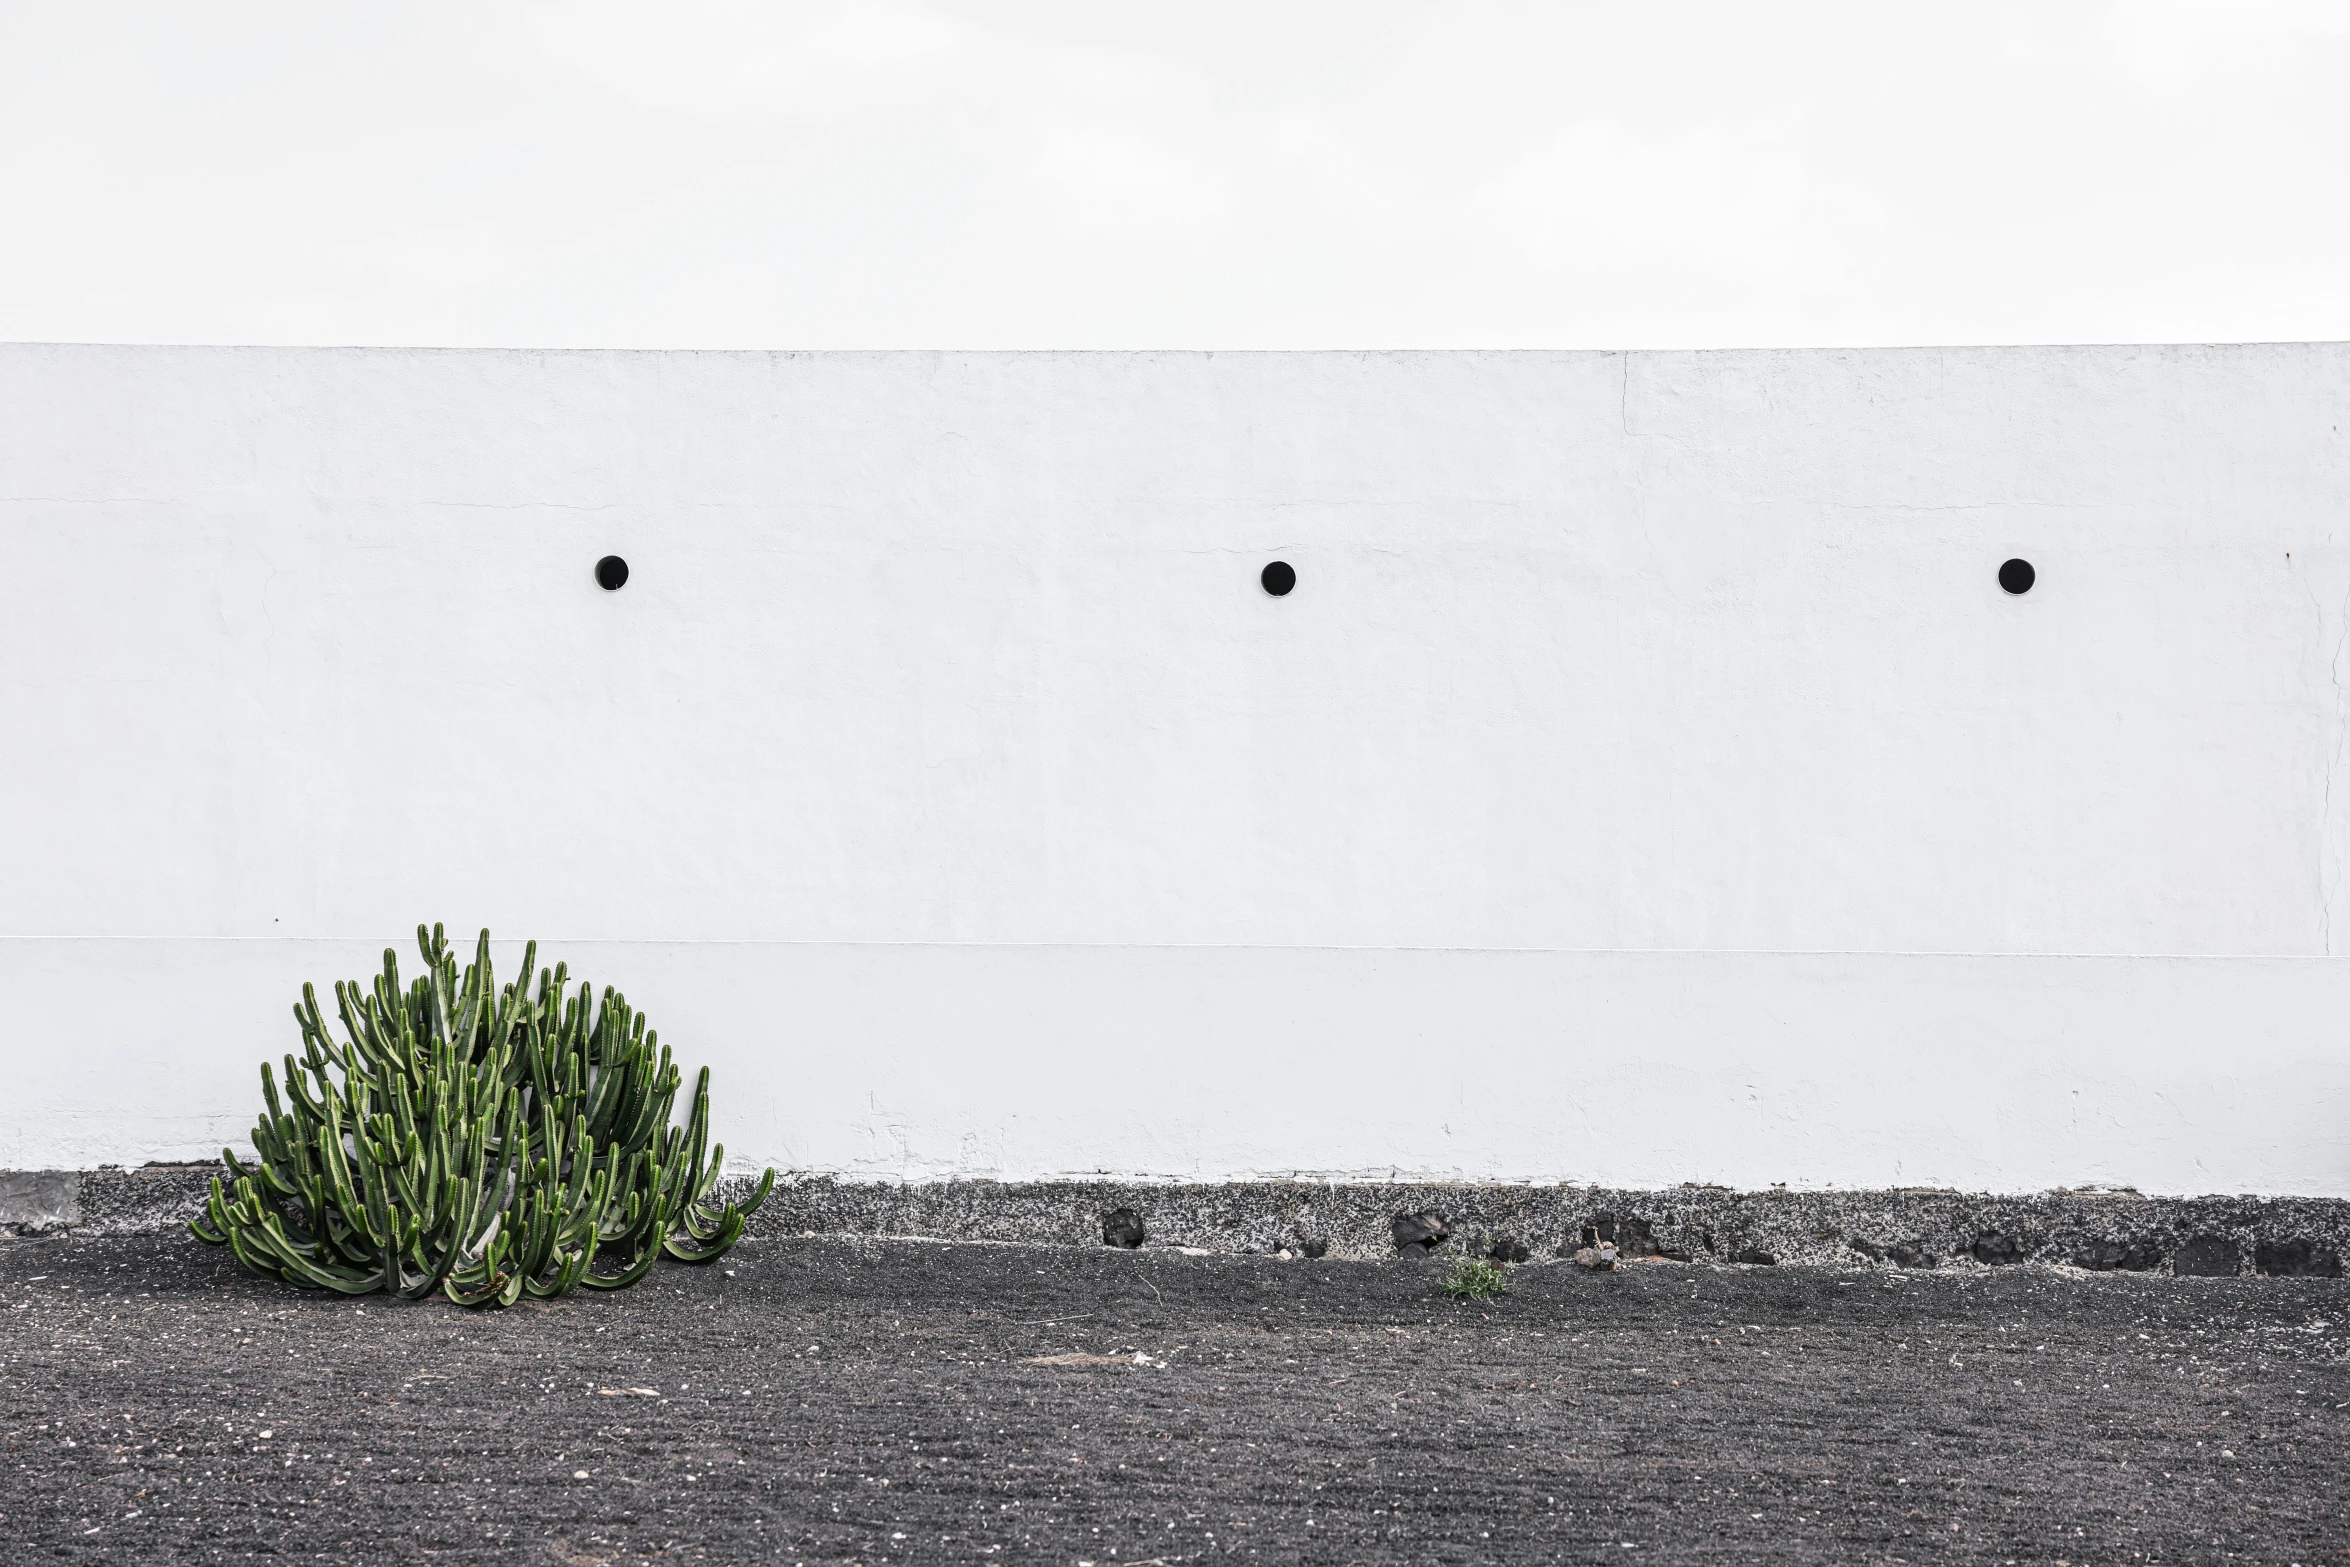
(1473, 1278)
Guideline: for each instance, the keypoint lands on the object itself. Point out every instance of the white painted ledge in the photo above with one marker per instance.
(2180, 1075)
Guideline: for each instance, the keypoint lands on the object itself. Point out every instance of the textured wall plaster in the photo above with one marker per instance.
(1647, 780)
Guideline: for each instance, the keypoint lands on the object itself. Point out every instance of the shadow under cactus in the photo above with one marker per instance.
(480, 1141)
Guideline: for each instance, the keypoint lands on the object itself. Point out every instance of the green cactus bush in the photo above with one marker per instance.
(475, 1139)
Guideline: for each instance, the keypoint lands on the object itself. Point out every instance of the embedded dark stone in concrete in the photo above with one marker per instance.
(1631, 1236)
(2208, 1257)
(37, 1202)
(1502, 1248)
(1902, 1254)
(2137, 1256)
(1122, 1227)
(1427, 1231)
(1759, 1259)
(2296, 1259)
(1314, 1248)
(2000, 1251)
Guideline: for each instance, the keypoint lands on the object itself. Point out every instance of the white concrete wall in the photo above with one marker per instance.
(1648, 780)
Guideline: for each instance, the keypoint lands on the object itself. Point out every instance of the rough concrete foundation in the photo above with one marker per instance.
(1907, 1229)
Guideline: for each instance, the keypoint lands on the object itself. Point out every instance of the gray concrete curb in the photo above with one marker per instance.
(2194, 1235)
(2206, 1236)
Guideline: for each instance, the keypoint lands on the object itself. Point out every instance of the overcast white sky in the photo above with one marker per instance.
(886, 173)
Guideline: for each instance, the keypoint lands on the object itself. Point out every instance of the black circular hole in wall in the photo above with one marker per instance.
(2017, 576)
(611, 572)
(1278, 578)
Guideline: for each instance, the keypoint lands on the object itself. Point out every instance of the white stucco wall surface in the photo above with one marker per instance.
(1647, 781)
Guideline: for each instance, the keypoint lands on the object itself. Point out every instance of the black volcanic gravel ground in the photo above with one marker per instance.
(834, 1400)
